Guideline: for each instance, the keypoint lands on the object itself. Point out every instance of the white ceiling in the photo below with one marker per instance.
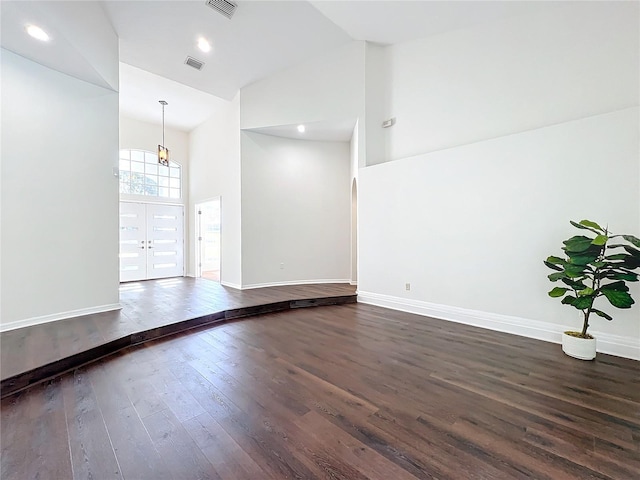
(389, 22)
(140, 92)
(326, 131)
(261, 38)
(63, 52)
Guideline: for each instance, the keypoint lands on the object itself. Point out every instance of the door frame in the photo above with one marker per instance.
(197, 230)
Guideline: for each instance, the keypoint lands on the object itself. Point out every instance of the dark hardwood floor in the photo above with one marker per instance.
(339, 392)
(150, 310)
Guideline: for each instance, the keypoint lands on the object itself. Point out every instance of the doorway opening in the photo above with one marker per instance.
(208, 239)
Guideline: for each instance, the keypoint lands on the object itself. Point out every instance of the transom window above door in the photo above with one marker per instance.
(141, 174)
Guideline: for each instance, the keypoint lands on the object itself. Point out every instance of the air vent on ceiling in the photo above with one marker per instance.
(225, 7)
(192, 62)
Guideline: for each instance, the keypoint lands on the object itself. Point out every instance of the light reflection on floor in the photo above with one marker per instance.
(169, 282)
(139, 286)
(131, 287)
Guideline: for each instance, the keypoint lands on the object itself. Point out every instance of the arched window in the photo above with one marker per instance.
(141, 174)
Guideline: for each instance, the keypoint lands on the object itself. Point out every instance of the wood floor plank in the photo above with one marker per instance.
(45, 423)
(134, 450)
(262, 443)
(14, 422)
(618, 431)
(92, 454)
(337, 443)
(230, 461)
(182, 455)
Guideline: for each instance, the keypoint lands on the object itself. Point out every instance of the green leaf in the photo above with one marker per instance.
(586, 291)
(575, 271)
(599, 264)
(575, 284)
(630, 277)
(558, 292)
(554, 277)
(618, 299)
(618, 286)
(632, 251)
(617, 256)
(552, 266)
(631, 263)
(583, 302)
(580, 303)
(556, 260)
(589, 223)
(578, 243)
(633, 240)
(583, 227)
(600, 313)
(582, 259)
(600, 240)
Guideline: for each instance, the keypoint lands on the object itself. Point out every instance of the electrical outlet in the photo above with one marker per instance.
(282, 266)
(407, 286)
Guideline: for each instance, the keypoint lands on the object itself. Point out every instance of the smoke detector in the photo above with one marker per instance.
(192, 62)
(225, 7)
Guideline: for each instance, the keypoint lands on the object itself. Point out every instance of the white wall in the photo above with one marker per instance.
(377, 97)
(504, 133)
(59, 195)
(296, 198)
(565, 63)
(354, 156)
(214, 163)
(469, 227)
(327, 88)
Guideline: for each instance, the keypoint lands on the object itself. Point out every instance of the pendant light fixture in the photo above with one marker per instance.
(163, 152)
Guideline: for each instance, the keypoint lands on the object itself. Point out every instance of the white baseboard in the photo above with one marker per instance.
(550, 332)
(294, 282)
(232, 285)
(351, 282)
(617, 345)
(28, 322)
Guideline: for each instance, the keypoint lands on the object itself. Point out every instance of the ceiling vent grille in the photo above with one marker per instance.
(225, 7)
(192, 62)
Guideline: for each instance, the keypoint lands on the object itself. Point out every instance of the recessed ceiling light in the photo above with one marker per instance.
(203, 44)
(301, 128)
(37, 33)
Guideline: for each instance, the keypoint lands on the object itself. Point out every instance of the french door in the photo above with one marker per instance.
(151, 241)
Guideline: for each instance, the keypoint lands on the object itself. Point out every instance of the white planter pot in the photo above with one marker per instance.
(582, 348)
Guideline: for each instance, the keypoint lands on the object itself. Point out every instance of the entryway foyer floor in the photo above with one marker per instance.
(150, 310)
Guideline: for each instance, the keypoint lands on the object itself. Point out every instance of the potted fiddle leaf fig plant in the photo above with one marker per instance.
(596, 264)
